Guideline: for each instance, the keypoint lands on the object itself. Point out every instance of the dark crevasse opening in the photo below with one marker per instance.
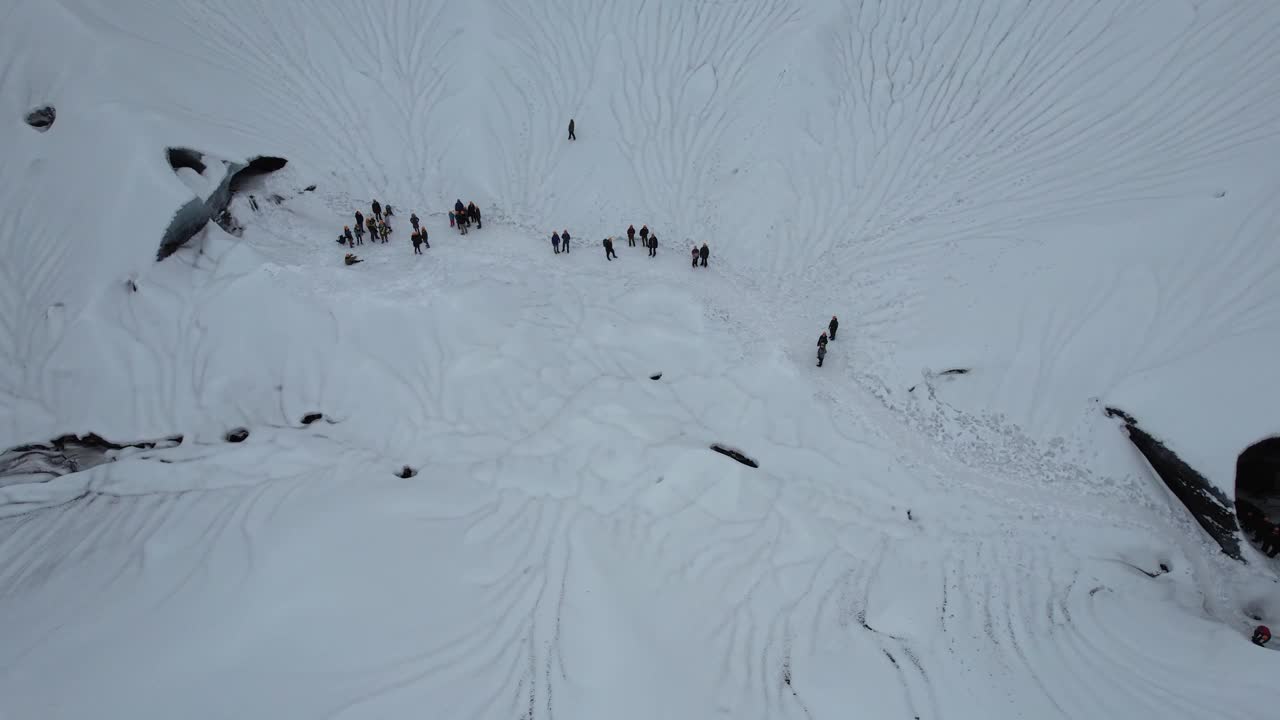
(1207, 503)
(1258, 494)
(257, 167)
(192, 217)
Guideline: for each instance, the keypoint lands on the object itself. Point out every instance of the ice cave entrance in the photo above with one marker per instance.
(1258, 489)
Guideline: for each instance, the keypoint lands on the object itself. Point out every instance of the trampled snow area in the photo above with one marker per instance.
(1073, 200)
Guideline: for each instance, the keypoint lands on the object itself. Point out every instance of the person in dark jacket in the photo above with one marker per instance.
(831, 326)
(653, 246)
(631, 236)
(571, 135)
(413, 220)
(416, 239)
(388, 212)
(360, 233)
(422, 233)
(694, 254)
(822, 339)
(359, 219)
(822, 354)
(473, 214)
(564, 240)
(458, 207)
(377, 209)
(703, 252)
(555, 242)
(346, 232)
(609, 254)
(644, 236)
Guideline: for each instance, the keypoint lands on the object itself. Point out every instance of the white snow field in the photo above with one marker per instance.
(1075, 200)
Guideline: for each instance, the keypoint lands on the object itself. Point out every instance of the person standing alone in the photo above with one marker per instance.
(609, 254)
(571, 135)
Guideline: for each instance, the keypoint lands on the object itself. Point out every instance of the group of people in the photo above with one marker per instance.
(648, 240)
(462, 217)
(822, 339)
(1254, 522)
(378, 226)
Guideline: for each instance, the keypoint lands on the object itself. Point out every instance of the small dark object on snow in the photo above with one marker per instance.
(253, 203)
(406, 472)
(237, 435)
(736, 455)
(133, 286)
(1261, 635)
(955, 371)
(656, 376)
(312, 417)
(1220, 194)
(42, 118)
(277, 199)
(909, 514)
(309, 188)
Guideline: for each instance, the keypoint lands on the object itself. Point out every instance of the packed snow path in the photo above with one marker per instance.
(1073, 199)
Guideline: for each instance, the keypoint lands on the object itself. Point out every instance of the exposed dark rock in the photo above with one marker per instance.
(42, 118)
(237, 435)
(656, 376)
(736, 455)
(1207, 503)
(309, 188)
(955, 371)
(312, 417)
(186, 158)
(67, 454)
(406, 472)
(133, 286)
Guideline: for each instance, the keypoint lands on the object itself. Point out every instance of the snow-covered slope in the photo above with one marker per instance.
(1072, 200)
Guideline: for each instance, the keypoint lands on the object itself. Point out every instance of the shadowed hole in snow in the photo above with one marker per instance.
(1258, 489)
(42, 118)
(186, 158)
(257, 167)
(1207, 503)
(237, 435)
(736, 455)
(406, 472)
(312, 417)
(656, 376)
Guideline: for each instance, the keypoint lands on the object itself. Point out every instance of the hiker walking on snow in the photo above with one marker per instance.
(360, 232)
(425, 241)
(346, 233)
(653, 246)
(413, 220)
(377, 209)
(571, 135)
(473, 214)
(417, 242)
(387, 211)
(631, 236)
(555, 242)
(703, 252)
(694, 254)
(609, 254)
(832, 326)
(822, 354)
(564, 238)
(372, 226)
(644, 236)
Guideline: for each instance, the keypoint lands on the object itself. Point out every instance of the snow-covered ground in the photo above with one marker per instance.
(1075, 201)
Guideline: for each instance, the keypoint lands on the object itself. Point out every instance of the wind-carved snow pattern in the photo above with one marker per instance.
(1075, 200)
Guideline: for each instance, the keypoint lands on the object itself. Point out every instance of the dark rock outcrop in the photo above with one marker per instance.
(42, 118)
(312, 417)
(68, 454)
(237, 435)
(1208, 504)
(736, 455)
(406, 472)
